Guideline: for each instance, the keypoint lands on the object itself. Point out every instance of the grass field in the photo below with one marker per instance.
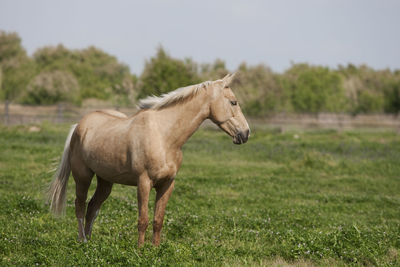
(317, 197)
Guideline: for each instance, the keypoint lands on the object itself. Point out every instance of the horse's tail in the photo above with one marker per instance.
(58, 187)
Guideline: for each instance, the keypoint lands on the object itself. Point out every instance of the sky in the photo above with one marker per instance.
(275, 33)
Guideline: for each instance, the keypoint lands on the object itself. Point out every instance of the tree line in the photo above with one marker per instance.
(56, 74)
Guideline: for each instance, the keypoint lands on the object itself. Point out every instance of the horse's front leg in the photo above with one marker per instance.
(143, 192)
(164, 191)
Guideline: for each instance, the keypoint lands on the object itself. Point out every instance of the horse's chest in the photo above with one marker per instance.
(164, 167)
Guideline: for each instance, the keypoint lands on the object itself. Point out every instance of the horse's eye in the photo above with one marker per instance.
(233, 103)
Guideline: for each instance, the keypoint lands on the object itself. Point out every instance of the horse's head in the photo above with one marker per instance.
(226, 113)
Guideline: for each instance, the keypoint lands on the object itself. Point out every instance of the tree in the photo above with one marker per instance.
(1, 77)
(52, 87)
(314, 89)
(16, 67)
(392, 96)
(99, 74)
(163, 74)
(365, 89)
(258, 90)
(214, 71)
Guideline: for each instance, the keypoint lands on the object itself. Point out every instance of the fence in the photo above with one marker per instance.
(11, 114)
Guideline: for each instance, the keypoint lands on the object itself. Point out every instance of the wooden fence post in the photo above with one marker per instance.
(6, 113)
(60, 113)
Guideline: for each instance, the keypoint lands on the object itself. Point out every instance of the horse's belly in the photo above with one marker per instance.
(116, 176)
(114, 169)
(124, 178)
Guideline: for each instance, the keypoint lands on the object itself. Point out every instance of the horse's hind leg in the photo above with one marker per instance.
(83, 177)
(80, 206)
(103, 190)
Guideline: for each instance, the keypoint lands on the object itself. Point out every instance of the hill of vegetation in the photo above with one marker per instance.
(58, 74)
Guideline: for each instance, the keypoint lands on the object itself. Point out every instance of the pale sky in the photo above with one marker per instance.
(274, 33)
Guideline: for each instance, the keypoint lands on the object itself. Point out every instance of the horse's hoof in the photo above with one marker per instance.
(82, 240)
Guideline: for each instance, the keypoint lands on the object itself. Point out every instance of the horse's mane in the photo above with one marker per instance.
(173, 97)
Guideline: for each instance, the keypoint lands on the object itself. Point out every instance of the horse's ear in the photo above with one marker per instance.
(228, 79)
(232, 76)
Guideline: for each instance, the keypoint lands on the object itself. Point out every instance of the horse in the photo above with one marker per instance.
(144, 150)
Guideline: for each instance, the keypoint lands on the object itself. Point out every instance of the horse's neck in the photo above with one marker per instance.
(180, 121)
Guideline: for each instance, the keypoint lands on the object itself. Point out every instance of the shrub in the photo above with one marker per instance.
(258, 90)
(16, 67)
(214, 71)
(99, 75)
(314, 89)
(52, 87)
(365, 88)
(164, 73)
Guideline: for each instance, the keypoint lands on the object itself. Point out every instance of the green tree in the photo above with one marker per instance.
(392, 95)
(99, 74)
(365, 89)
(258, 90)
(16, 67)
(314, 89)
(1, 77)
(163, 73)
(214, 71)
(52, 87)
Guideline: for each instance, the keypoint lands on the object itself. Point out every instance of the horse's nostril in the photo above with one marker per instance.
(244, 136)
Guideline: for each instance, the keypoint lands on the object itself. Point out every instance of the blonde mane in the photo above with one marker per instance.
(173, 97)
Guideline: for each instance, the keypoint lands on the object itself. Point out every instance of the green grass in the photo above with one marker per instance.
(313, 197)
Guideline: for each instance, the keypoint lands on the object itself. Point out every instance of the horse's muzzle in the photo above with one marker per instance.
(241, 137)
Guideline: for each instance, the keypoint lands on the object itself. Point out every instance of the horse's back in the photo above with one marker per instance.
(113, 112)
(101, 119)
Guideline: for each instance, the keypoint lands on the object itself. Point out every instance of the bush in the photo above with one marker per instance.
(392, 96)
(314, 89)
(52, 87)
(258, 90)
(55, 73)
(365, 89)
(164, 73)
(16, 67)
(99, 75)
(214, 71)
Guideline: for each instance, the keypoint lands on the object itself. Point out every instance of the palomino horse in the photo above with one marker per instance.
(143, 150)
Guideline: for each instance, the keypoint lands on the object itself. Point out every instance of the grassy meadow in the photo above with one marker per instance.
(317, 197)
